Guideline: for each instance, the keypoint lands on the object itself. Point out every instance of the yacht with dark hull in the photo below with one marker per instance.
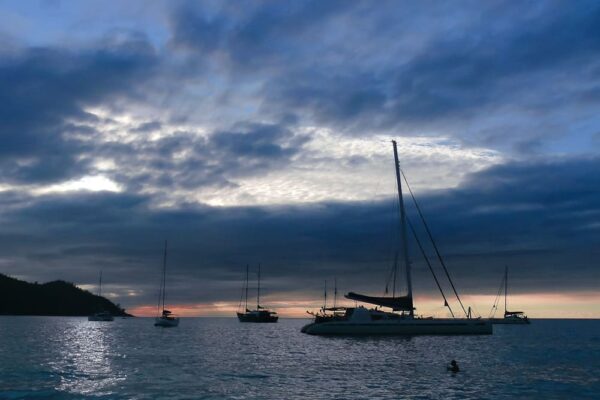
(400, 318)
(260, 314)
(510, 317)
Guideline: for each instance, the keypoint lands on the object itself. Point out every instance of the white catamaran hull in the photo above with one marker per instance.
(167, 323)
(402, 327)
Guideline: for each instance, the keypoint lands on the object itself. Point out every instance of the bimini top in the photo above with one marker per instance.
(403, 303)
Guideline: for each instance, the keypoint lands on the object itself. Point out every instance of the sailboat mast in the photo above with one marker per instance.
(247, 267)
(505, 286)
(258, 290)
(325, 296)
(100, 285)
(334, 292)
(164, 276)
(403, 224)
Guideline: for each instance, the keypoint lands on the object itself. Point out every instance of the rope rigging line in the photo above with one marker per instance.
(412, 229)
(392, 277)
(439, 256)
(241, 299)
(496, 300)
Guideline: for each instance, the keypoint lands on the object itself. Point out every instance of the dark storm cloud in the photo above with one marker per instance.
(321, 61)
(187, 160)
(533, 216)
(44, 92)
(474, 68)
(256, 36)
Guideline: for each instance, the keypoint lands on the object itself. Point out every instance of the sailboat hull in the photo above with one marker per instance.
(166, 322)
(510, 321)
(407, 327)
(257, 317)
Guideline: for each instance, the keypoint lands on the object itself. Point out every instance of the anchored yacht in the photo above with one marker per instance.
(401, 320)
(103, 316)
(260, 314)
(510, 317)
(166, 319)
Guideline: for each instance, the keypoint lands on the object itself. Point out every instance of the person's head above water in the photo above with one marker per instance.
(453, 362)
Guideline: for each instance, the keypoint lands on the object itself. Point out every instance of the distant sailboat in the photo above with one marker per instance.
(374, 321)
(102, 315)
(261, 314)
(510, 317)
(166, 318)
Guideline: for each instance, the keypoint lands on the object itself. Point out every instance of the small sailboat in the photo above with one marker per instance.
(260, 314)
(402, 319)
(102, 315)
(510, 317)
(166, 318)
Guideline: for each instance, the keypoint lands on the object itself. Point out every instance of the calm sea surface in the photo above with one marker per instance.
(219, 358)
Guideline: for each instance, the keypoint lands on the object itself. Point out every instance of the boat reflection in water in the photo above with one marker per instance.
(401, 320)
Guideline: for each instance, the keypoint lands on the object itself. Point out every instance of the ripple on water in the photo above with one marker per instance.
(216, 358)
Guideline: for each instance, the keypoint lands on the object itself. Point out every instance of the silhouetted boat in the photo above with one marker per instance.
(260, 314)
(363, 321)
(102, 315)
(510, 317)
(166, 319)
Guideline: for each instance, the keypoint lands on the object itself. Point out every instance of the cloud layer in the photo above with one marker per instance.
(261, 134)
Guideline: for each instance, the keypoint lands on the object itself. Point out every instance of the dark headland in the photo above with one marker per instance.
(52, 298)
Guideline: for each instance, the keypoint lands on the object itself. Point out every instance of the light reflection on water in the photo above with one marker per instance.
(84, 360)
(221, 358)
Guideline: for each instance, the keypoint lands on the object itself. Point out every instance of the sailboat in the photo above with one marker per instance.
(401, 320)
(260, 314)
(166, 319)
(510, 317)
(102, 315)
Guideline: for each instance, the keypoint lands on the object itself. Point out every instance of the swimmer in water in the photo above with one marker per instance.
(453, 366)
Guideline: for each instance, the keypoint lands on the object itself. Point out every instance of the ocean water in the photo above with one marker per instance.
(220, 358)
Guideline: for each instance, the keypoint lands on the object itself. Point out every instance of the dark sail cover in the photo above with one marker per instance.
(512, 312)
(404, 303)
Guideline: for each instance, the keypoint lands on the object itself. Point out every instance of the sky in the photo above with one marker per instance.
(259, 132)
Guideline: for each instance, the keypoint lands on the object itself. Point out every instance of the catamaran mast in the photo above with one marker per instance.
(164, 276)
(403, 225)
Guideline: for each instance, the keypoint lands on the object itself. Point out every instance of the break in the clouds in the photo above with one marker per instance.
(259, 132)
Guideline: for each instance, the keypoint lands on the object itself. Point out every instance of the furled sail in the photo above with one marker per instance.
(512, 312)
(403, 303)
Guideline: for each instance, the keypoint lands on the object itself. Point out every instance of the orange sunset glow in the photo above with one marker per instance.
(536, 305)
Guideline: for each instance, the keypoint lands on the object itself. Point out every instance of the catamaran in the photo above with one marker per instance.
(510, 317)
(260, 314)
(102, 315)
(166, 319)
(401, 320)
